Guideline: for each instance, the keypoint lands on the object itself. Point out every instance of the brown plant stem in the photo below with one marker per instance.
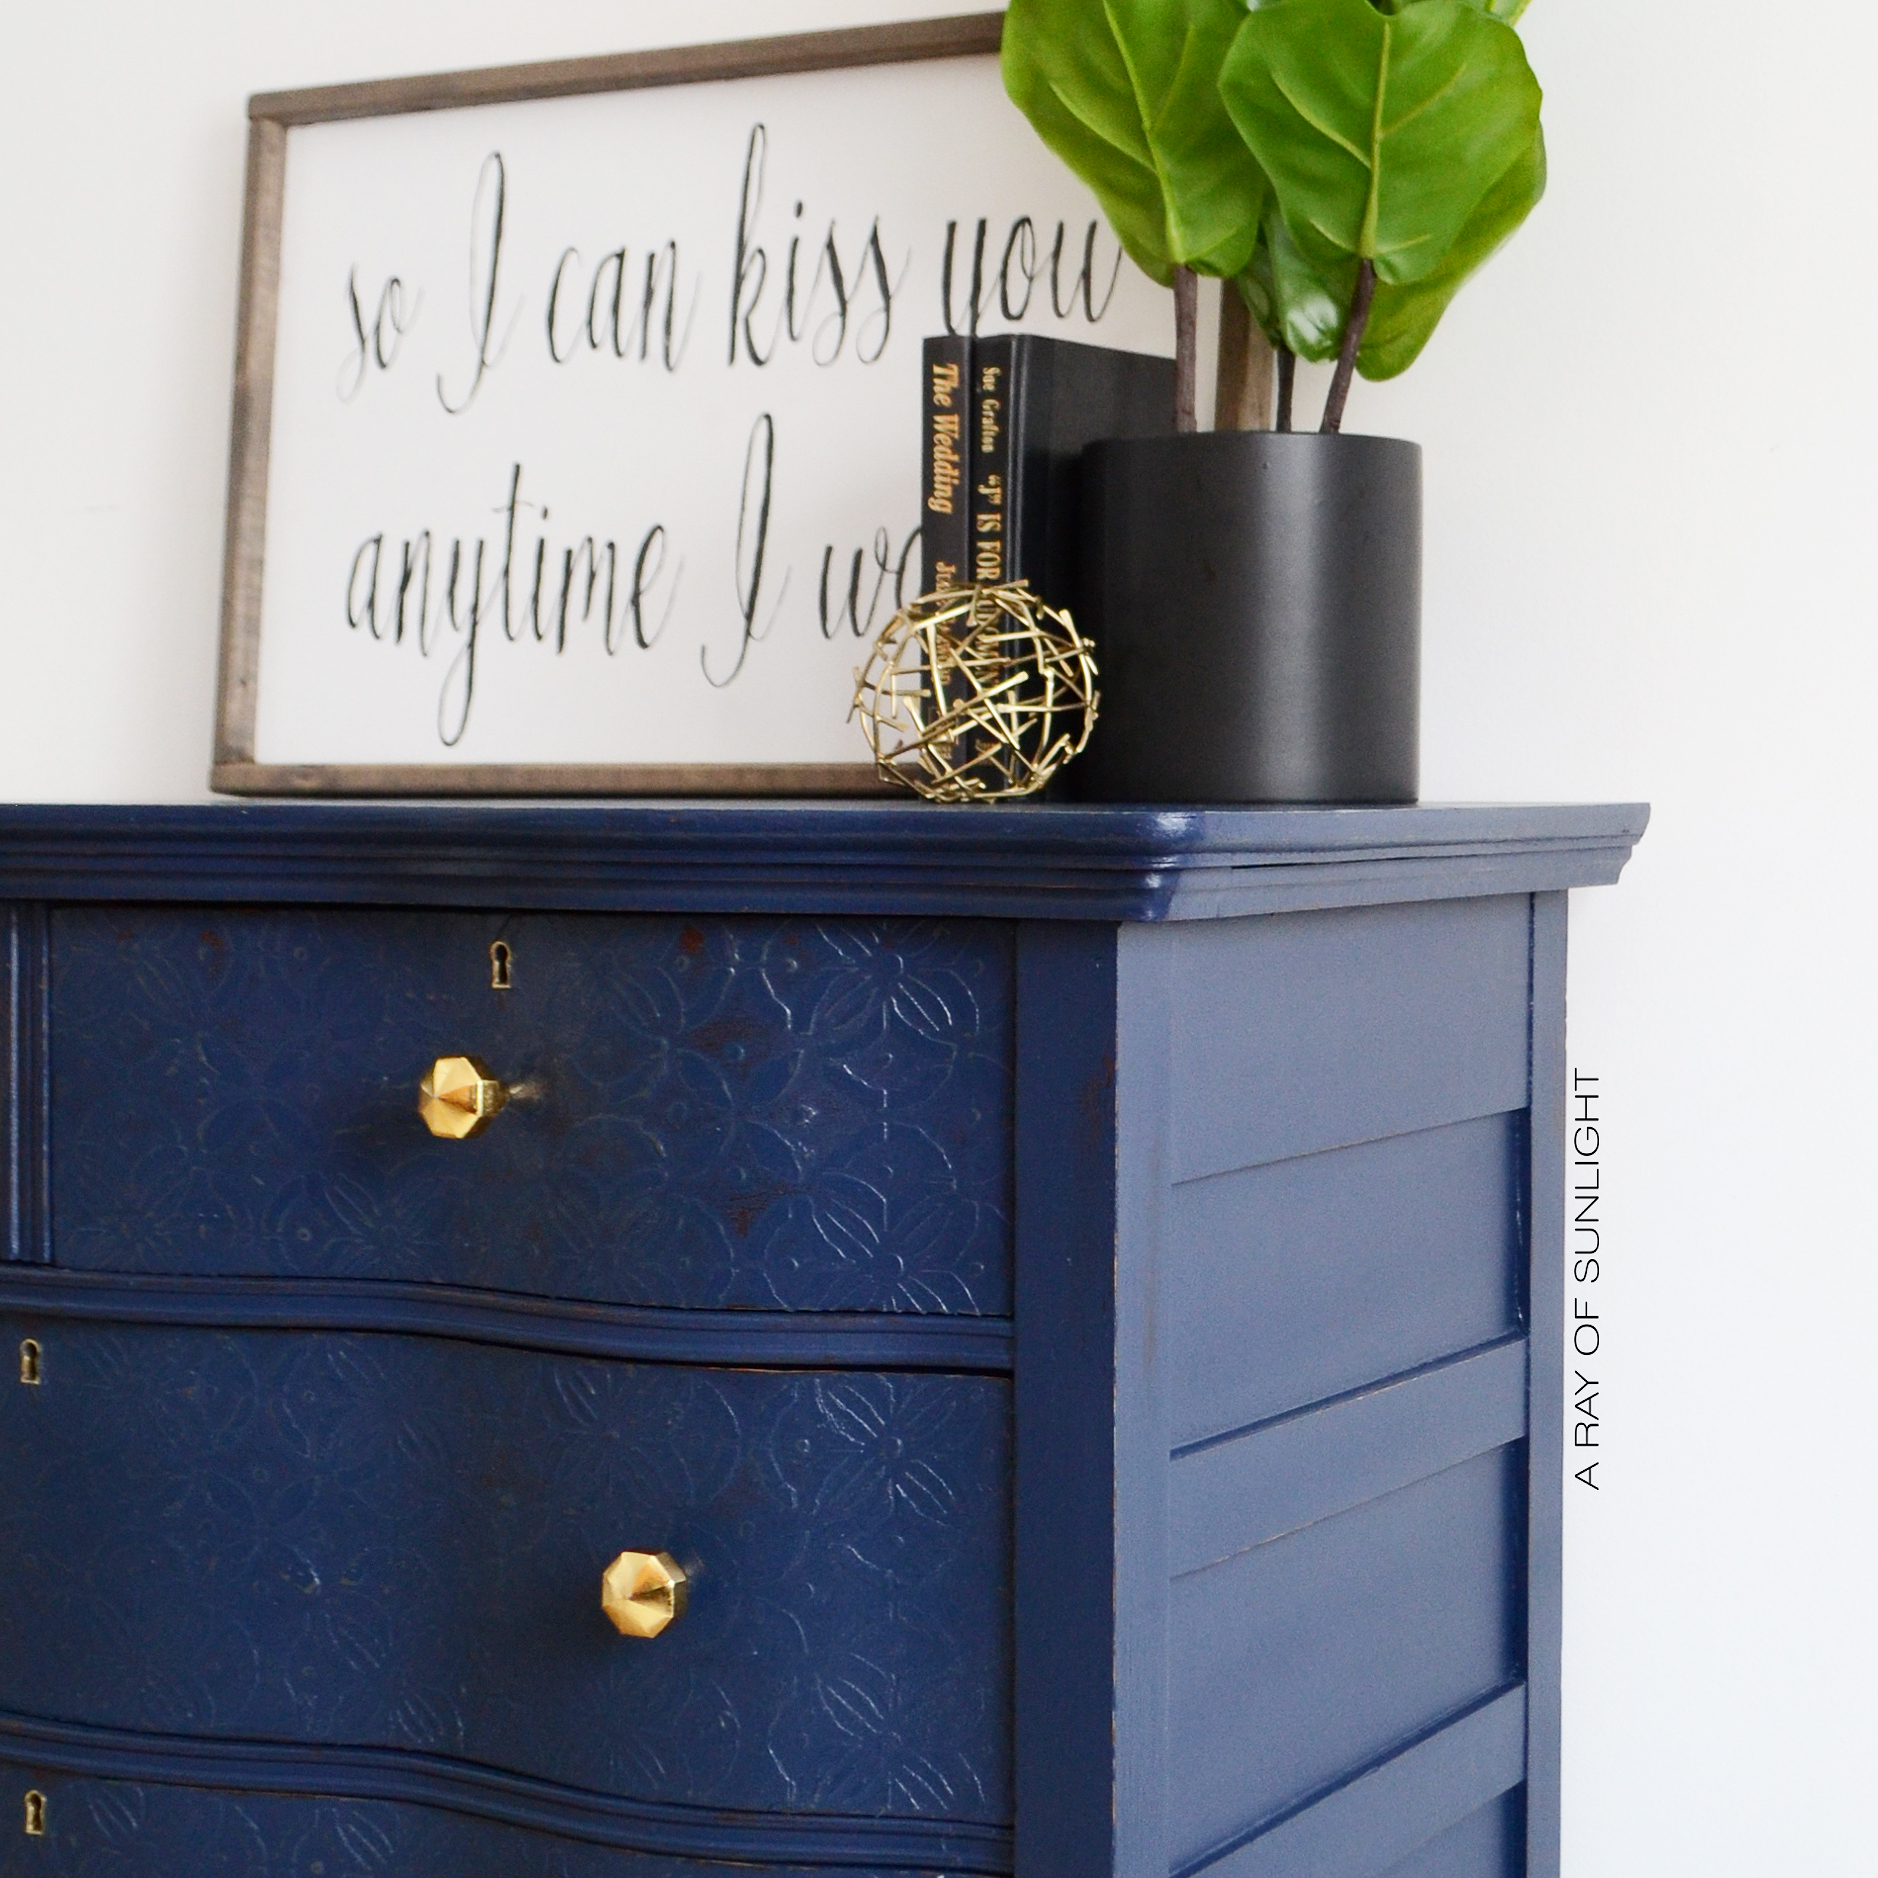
(1352, 344)
(1186, 348)
(1287, 378)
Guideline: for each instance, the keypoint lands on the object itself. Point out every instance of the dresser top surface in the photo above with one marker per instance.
(1041, 861)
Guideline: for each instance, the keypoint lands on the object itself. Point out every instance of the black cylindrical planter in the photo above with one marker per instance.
(1255, 602)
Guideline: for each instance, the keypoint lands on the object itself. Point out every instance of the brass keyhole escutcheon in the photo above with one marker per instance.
(643, 1593)
(500, 958)
(30, 1365)
(35, 1815)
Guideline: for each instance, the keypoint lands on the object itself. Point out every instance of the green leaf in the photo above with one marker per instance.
(1380, 133)
(1402, 319)
(1312, 305)
(1127, 94)
(1508, 10)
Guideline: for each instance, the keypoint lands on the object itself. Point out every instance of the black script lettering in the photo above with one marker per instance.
(370, 343)
(1021, 247)
(507, 511)
(759, 475)
(534, 600)
(886, 566)
(789, 283)
(485, 270)
(468, 605)
(586, 548)
(751, 261)
(554, 298)
(459, 682)
(975, 305)
(607, 322)
(405, 577)
(839, 317)
(646, 572)
(368, 617)
(875, 258)
(1084, 283)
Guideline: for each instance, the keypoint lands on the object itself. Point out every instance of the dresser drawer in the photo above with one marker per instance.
(762, 1113)
(94, 1828)
(391, 1542)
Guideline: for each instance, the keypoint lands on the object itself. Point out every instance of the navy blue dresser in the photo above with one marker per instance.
(1069, 1299)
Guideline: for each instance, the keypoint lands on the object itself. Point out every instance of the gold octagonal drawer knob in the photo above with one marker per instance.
(459, 1097)
(644, 1593)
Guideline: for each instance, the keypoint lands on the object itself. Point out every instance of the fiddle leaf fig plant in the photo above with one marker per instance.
(1382, 135)
(1349, 163)
(1126, 92)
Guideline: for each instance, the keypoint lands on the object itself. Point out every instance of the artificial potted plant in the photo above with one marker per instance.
(1255, 594)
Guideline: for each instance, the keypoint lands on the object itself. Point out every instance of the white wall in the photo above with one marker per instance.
(1649, 435)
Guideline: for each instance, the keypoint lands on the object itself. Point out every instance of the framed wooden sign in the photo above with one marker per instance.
(577, 405)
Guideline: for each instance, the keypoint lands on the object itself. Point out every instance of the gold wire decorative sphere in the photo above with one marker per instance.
(976, 694)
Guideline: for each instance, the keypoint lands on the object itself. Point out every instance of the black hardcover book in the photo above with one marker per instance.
(1035, 403)
(991, 455)
(945, 461)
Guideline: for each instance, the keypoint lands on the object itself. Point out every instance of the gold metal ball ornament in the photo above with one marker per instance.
(976, 694)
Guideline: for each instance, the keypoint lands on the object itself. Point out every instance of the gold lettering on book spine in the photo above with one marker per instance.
(948, 467)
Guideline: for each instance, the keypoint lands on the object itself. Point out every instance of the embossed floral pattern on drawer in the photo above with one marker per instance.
(757, 1113)
(397, 1542)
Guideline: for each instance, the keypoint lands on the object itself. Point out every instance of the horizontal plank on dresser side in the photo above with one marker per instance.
(1029, 861)
(1298, 1280)
(1489, 1843)
(558, 1326)
(1310, 1031)
(1244, 1490)
(352, 1773)
(1301, 1659)
(1378, 1817)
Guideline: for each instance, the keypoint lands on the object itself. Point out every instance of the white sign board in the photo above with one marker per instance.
(589, 455)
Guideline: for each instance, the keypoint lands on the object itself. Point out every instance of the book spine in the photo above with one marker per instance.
(993, 371)
(945, 461)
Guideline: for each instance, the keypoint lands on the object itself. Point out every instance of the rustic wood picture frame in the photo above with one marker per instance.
(235, 769)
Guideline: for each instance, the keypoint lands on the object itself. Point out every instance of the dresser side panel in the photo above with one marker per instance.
(1299, 1032)
(1297, 1279)
(1488, 1843)
(1144, 1611)
(1546, 1515)
(1302, 1660)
